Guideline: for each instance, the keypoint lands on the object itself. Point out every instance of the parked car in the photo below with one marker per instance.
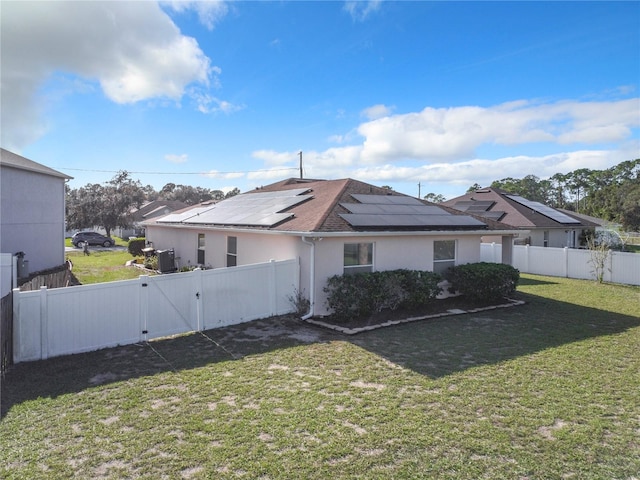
(91, 238)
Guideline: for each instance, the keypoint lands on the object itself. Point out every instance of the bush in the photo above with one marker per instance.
(483, 281)
(362, 294)
(135, 246)
(151, 262)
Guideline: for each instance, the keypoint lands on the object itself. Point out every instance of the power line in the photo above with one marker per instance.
(177, 173)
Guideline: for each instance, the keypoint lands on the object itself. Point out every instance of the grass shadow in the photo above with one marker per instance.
(433, 348)
(440, 347)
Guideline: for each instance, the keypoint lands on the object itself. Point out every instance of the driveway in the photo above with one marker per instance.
(96, 248)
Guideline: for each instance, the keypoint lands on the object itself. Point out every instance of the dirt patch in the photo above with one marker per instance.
(387, 318)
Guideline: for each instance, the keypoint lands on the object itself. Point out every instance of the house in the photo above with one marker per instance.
(32, 211)
(149, 210)
(331, 226)
(542, 226)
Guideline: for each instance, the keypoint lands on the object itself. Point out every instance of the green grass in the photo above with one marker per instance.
(102, 266)
(544, 390)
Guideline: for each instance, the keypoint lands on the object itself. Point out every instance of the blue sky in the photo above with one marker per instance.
(225, 94)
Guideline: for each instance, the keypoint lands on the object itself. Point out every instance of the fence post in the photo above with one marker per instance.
(526, 259)
(273, 291)
(199, 298)
(144, 306)
(44, 324)
(566, 262)
(16, 320)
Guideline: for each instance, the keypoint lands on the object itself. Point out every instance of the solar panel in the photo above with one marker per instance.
(542, 209)
(408, 220)
(261, 209)
(386, 199)
(371, 208)
(493, 215)
(180, 217)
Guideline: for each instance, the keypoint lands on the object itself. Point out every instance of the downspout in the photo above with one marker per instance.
(312, 277)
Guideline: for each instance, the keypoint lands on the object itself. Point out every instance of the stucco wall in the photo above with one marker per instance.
(558, 237)
(411, 252)
(32, 217)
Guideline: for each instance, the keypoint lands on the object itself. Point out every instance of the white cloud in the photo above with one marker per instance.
(360, 9)
(207, 103)
(132, 49)
(224, 175)
(173, 158)
(209, 11)
(271, 157)
(437, 146)
(452, 134)
(377, 111)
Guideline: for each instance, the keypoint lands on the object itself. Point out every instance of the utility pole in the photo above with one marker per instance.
(300, 164)
(419, 189)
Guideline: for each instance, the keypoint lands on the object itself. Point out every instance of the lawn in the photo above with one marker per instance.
(102, 266)
(544, 390)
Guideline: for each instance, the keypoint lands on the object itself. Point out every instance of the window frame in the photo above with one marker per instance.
(350, 269)
(232, 253)
(200, 251)
(444, 263)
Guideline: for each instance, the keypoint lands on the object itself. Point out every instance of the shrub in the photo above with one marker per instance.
(483, 281)
(151, 262)
(362, 294)
(135, 246)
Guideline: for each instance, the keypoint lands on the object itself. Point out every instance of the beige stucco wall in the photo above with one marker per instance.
(32, 217)
(390, 252)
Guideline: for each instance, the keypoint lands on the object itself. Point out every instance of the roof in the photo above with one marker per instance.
(13, 160)
(155, 207)
(323, 206)
(515, 210)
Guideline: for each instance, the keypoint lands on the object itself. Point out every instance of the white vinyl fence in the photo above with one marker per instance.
(61, 321)
(621, 267)
(6, 275)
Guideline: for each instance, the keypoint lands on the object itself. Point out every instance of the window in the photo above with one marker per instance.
(545, 238)
(232, 251)
(444, 255)
(200, 252)
(358, 257)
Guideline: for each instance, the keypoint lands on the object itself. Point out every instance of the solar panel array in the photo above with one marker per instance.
(480, 208)
(385, 211)
(542, 209)
(264, 209)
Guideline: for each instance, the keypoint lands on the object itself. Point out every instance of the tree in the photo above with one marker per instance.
(108, 205)
(83, 205)
(121, 195)
(630, 207)
(473, 188)
(434, 197)
(232, 193)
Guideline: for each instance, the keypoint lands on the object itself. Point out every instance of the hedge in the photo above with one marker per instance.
(362, 294)
(135, 246)
(483, 281)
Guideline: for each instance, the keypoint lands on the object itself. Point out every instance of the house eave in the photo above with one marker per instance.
(371, 233)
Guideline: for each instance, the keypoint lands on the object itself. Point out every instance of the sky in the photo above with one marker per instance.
(424, 97)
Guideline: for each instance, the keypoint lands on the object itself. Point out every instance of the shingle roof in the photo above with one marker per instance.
(515, 214)
(13, 160)
(325, 202)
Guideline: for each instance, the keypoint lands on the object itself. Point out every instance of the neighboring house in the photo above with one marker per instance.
(545, 226)
(149, 210)
(32, 211)
(331, 226)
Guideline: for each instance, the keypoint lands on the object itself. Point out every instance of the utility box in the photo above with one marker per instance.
(22, 265)
(166, 260)
(23, 268)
